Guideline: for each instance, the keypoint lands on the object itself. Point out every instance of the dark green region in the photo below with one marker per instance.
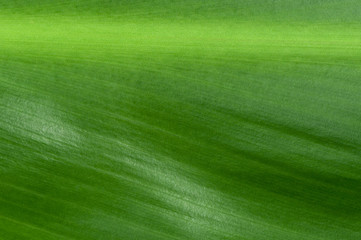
(238, 10)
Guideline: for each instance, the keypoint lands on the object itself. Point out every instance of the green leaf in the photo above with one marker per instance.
(181, 119)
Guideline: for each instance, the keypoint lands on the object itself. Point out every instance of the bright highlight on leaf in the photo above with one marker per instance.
(181, 119)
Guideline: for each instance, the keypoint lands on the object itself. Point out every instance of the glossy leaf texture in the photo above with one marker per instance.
(180, 119)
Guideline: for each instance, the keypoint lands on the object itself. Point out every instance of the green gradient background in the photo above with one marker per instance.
(180, 119)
